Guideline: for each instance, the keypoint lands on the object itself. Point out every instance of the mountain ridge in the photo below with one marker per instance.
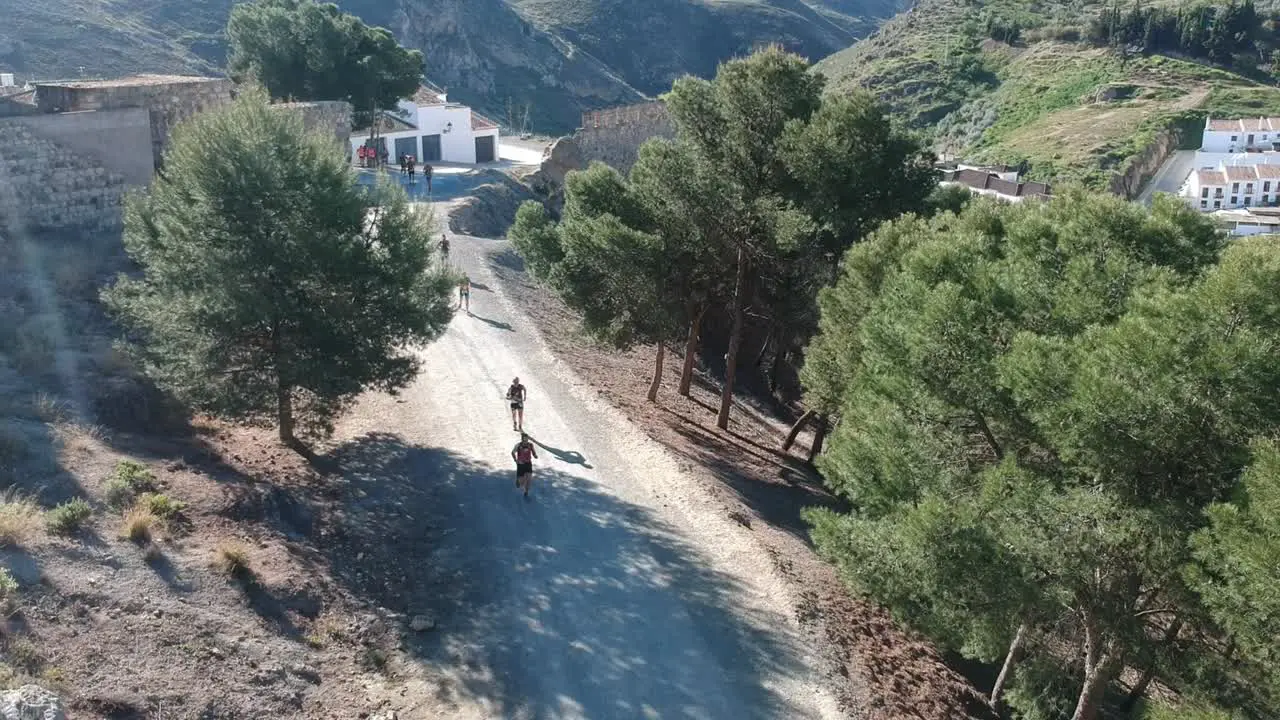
(558, 58)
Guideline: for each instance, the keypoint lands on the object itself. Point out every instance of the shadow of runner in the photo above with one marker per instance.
(573, 604)
(571, 457)
(492, 323)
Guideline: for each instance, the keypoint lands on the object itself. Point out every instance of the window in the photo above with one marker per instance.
(1204, 204)
(1247, 201)
(1234, 138)
(1235, 187)
(1248, 189)
(1204, 193)
(1266, 200)
(1217, 204)
(1235, 200)
(1266, 186)
(1250, 140)
(1217, 193)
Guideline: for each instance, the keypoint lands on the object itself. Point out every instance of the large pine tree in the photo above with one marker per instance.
(272, 286)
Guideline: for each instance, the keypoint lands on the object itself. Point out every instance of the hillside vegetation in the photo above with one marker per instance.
(554, 57)
(1029, 81)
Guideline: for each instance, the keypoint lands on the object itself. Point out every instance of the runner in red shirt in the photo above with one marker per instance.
(524, 453)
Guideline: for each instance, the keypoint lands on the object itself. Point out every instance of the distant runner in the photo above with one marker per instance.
(444, 247)
(516, 394)
(464, 293)
(524, 453)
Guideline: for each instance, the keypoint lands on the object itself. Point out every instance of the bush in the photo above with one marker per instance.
(20, 519)
(138, 525)
(8, 586)
(129, 479)
(233, 559)
(162, 506)
(68, 517)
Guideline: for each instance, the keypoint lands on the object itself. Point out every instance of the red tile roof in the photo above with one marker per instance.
(480, 122)
(1211, 177)
(428, 96)
(1236, 173)
(1256, 124)
(985, 181)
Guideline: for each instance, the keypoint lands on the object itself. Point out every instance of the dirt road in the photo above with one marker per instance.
(615, 591)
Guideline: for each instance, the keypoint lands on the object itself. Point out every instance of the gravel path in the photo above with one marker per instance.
(616, 590)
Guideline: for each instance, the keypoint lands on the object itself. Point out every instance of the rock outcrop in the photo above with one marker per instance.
(491, 209)
(31, 702)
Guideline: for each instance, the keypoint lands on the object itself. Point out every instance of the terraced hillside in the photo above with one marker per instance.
(1069, 109)
(557, 57)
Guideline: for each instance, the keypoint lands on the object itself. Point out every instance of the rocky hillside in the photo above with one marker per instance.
(555, 57)
(1026, 80)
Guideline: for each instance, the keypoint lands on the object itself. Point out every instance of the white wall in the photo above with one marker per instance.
(1220, 140)
(1212, 160)
(456, 146)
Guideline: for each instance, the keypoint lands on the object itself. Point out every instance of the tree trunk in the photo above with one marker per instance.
(284, 412)
(795, 429)
(779, 358)
(764, 349)
(1140, 689)
(819, 436)
(1100, 667)
(657, 372)
(691, 350)
(735, 341)
(1010, 659)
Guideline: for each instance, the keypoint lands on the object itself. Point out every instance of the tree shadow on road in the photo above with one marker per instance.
(570, 603)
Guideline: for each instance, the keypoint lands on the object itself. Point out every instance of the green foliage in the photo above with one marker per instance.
(1037, 403)
(8, 586)
(1238, 562)
(129, 479)
(68, 517)
(272, 286)
(162, 506)
(305, 50)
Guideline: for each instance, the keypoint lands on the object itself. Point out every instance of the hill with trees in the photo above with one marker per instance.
(555, 57)
(1076, 90)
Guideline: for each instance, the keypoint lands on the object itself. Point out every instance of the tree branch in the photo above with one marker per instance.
(986, 432)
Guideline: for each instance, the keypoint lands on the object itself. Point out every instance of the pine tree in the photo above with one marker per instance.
(270, 287)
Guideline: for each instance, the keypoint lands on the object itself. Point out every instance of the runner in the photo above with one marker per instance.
(411, 163)
(516, 394)
(426, 175)
(524, 453)
(464, 293)
(444, 247)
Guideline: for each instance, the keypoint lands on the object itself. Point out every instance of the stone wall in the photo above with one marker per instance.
(614, 136)
(169, 99)
(45, 188)
(330, 116)
(117, 140)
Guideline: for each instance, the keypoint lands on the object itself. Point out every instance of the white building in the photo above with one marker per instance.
(1231, 136)
(1256, 221)
(432, 129)
(1206, 160)
(1234, 186)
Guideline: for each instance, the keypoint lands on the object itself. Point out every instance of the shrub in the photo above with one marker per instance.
(233, 559)
(161, 505)
(129, 480)
(68, 517)
(20, 519)
(8, 586)
(138, 524)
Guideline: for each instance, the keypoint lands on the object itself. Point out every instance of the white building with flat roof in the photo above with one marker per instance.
(1231, 136)
(432, 129)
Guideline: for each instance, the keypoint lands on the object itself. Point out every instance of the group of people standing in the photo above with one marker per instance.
(409, 166)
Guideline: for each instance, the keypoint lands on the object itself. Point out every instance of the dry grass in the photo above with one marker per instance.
(21, 519)
(233, 559)
(139, 525)
(325, 629)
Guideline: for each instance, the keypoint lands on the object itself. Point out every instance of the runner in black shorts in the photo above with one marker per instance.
(524, 453)
(516, 394)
